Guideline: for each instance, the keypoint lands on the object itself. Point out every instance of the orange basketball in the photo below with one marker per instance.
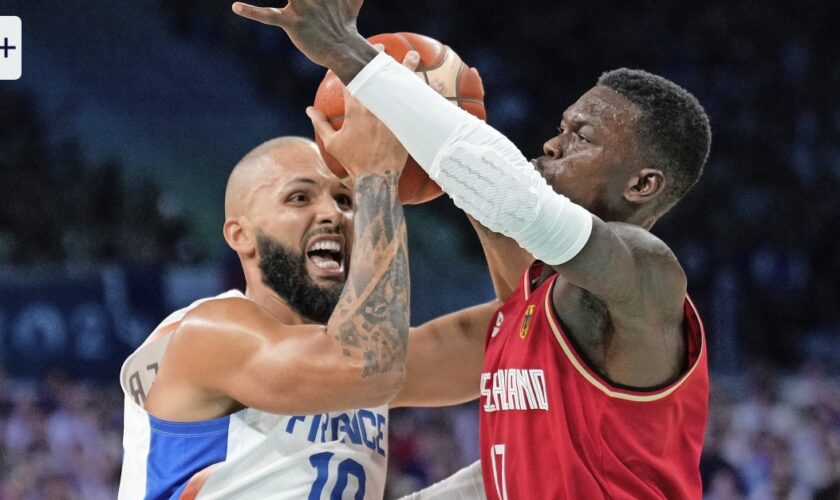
(461, 85)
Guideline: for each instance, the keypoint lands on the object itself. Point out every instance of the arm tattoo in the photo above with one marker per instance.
(371, 319)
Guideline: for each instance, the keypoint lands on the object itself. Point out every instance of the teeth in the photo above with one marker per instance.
(329, 245)
(327, 263)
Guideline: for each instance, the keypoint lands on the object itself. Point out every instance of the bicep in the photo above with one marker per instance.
(301, 373)
(606, 265)
(625, 265)
(286, 369)
(445, 357)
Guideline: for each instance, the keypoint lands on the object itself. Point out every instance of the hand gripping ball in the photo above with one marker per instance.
(461, 86)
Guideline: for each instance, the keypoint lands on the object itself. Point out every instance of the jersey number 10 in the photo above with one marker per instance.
(347, 467)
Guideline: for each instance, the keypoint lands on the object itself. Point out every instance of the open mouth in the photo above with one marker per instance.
(326, 255)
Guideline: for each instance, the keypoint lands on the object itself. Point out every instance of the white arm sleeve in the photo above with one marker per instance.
(466, 484)
(478, 167)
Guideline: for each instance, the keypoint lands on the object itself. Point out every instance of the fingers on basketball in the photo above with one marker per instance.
(411, 60)
(321, 125)
(438, 66)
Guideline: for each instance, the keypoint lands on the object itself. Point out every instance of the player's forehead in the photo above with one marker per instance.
(269, 177)
(300, 164)
(601, 107)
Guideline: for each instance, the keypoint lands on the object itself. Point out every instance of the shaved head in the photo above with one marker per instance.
(261, 168)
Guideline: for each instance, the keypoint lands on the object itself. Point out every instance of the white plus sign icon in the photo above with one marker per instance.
(11, 47)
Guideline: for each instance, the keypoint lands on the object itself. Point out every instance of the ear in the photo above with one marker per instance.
(239, 237)
(645, 186)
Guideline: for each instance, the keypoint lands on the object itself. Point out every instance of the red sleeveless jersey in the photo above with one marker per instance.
(551, 427)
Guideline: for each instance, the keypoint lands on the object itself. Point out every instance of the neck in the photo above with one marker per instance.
(648, 223)
(641, 218)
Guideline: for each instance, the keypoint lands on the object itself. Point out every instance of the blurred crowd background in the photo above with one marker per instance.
(116, 144)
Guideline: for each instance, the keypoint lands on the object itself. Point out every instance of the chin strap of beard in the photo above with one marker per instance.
(478, 167)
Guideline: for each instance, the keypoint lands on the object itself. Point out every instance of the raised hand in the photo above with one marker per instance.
(363, 143)
(323, 30)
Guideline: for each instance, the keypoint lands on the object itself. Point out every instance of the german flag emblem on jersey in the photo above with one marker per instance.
(526, 321)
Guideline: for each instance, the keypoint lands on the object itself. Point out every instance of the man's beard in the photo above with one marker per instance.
(284, 271)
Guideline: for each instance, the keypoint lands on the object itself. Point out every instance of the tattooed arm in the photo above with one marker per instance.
(371, 319)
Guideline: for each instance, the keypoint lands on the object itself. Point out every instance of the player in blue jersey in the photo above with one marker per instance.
(283, 391)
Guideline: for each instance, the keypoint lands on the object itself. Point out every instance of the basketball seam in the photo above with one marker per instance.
(471, 100)
(442, 61)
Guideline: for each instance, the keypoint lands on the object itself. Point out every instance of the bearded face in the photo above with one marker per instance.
(285, 271)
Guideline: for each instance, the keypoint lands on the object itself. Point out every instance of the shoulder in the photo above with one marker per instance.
(235, 328)
(641, 241)
(222, 330)
(658, 270)
(215, 316)
(210, 343)
(222, 310)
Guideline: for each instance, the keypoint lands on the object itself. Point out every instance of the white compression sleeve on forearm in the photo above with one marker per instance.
(480, 169)
(466, 484)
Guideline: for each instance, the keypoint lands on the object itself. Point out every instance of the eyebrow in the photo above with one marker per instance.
(301, 180)
(577, 118)
(311, 182)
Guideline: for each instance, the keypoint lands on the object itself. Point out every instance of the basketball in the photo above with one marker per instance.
(461, 86)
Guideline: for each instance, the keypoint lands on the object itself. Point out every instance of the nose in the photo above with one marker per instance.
(553, 147)
(328, 212)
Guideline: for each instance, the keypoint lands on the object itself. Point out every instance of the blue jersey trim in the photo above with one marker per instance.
(180, 449)
(189, 428)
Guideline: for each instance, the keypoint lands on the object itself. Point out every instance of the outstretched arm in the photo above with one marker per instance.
(445, 358)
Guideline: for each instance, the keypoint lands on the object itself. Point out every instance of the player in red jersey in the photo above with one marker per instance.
(595, 382)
